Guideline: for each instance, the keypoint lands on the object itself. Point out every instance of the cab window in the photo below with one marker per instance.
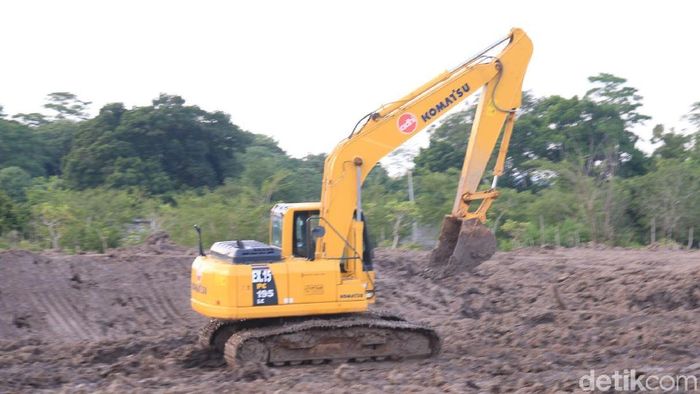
(302, 246)
(276, 230)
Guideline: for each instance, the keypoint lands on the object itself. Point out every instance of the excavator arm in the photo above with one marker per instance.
(348, 165)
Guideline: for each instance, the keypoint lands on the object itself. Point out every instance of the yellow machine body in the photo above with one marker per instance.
(299, 286)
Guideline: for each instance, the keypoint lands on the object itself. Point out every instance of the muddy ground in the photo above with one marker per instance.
(530, 320)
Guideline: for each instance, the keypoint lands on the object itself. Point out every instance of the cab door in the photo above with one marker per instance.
(310, 280)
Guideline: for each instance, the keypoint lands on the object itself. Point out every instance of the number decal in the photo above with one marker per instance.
(262, 275)
(264, 289)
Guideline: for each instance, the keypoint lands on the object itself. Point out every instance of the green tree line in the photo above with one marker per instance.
(574, 175)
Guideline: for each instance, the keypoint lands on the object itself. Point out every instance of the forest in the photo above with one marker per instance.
(575, 175)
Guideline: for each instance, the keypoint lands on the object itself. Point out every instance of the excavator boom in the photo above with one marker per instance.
(501, 77)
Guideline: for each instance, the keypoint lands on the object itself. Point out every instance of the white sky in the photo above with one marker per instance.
(304, 72)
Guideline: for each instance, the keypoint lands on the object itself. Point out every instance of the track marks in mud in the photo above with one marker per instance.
(92, 298)
(63, 317)
(157, 306)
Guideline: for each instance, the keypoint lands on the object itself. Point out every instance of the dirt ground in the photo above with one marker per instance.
(530, 320)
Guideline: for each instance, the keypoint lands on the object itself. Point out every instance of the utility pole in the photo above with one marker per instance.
(412, 198)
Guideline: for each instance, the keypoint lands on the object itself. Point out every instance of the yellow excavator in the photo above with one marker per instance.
(305, 296)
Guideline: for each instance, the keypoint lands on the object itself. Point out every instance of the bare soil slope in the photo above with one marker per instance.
(532, 320)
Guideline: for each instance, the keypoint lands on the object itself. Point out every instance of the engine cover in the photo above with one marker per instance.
(246, 251)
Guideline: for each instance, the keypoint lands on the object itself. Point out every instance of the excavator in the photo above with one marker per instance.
(304, 297)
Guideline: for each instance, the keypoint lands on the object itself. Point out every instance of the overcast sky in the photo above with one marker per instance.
(305, 72)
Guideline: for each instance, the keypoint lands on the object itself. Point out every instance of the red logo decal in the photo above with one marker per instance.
(407, 123)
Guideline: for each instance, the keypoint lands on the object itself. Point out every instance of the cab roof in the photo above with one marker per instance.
(282, 208)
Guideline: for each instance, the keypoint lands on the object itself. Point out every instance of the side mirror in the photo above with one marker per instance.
(318, 232)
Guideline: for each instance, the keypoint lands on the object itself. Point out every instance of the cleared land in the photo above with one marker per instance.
(532, 319)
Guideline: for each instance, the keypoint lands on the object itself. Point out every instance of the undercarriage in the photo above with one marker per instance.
(320, 339)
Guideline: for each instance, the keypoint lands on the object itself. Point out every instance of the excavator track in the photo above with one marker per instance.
(215, 334)
(319, 339)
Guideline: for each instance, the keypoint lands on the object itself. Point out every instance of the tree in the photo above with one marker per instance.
(237, 210)
(592, 131)
(610, 89)
(54, 218)
(97, 228)
(402, 214)
(673, 145)
(510, 206)
(33, 119)
(94, 219)
(55, 139)
(694, 115)
(582, 131)
(176, 145)
(9, 218)
(14, 181)
(67, 106)
(304, 182)
(694, 118)
(146, 174)
(94, 148)
(435, 194)
(448, 143)
(667, 197)
(20, 147)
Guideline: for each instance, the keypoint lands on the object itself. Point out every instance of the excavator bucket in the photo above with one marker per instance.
(462, 246)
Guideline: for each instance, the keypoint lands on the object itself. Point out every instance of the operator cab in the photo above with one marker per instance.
(290, 229)
(301, 218)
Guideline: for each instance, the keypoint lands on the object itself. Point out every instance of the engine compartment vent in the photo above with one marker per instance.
(246, 251)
